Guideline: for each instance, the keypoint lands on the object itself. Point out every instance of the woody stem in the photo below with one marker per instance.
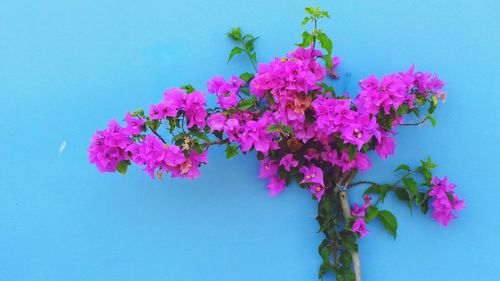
(346, 212)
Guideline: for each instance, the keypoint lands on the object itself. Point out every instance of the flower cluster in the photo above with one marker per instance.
(359, 224)
(118, 145)
(109, 147)
(302, 132)
(445, 200)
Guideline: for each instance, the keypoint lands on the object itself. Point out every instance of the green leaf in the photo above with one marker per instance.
(247, 77)
(231, 151)
(326, 43)
(389, 221)
(305, 21)
(402, 194)
(138, 113)
(307, 39)
(433, 105)
(381, 190)
(371, 213)
(402, 167)
(200, 135)
(416, 111)
(328, 61)
(346, 259)
(426, 174)
(249, 45)
(235, 34)
(433, 120)
(245, 104)
(421, 197)
(349, 240)
(122, 166)
(189, 88)
(450, 197)
(411, 185)
(424, 207)
(351, 152)
(325, 250)
(234, 51)
(288, 130)
(345, 275)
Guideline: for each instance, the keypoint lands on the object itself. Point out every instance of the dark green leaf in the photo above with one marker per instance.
(351, 152)
(424, 207)
(245, 104)
(234, 51)
(328, 61)
(122, 166)
(381, 190)
(411, 185)
(231, 151)
(389, 221)
(247, 77)
(371, 213)
(346, 259)
(402, 194)
(326, 43)
(402, 167)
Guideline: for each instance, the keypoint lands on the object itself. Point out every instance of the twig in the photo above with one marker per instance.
(414, 124)
(360, 183)
(156, 134)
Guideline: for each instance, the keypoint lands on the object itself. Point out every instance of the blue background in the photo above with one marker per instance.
(67, 67)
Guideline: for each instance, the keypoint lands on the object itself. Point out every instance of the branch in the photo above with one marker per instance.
(207, 144)
(156, 134)
(360, 183)
(414, 124)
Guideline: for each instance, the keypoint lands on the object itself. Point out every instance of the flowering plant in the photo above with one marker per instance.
(302, 130)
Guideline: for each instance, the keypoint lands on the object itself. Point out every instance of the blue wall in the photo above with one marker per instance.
(67, 67)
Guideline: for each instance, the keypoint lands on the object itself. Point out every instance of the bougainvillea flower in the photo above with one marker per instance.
(134, 125)
(359, 227)
(268, 168)
(312, 174)
(276, 185)
(318, 191)
(288, 162)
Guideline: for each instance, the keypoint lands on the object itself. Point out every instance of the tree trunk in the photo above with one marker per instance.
(346, 212)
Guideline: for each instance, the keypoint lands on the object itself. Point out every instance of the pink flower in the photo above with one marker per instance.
(255, 134)
(288, 162)
(134, 125)
(156, 111)
(108, 147)
(312, 174)
(190, 167)
(385, 146)
(360, 211)
(361, 130)
(195, 109)
(359, 227)
(335, 63)
(318, 191)
(276, 185)
(227, 93)
(441, 192)
(216, 122)
(268, 168)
